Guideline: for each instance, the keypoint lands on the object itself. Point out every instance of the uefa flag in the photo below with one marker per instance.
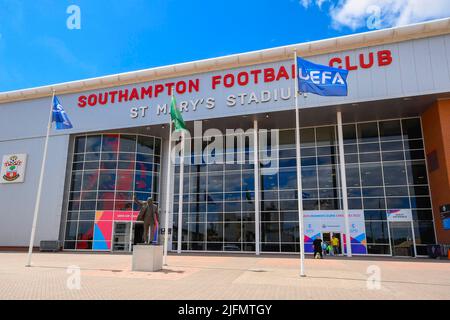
(59, 116)
(320, 79)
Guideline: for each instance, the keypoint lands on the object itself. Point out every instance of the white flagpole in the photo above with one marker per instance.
(180, 195)
(166, 218)
(299, 176)
(41, 178)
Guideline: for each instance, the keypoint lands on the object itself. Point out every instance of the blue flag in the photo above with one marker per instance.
(59, 116)
(320, 79)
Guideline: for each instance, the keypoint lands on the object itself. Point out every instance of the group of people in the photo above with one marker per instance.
(323, 247)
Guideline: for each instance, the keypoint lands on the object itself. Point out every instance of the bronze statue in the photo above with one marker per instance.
(148, 213)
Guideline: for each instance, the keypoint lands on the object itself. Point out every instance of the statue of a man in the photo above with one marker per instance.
(148, 213)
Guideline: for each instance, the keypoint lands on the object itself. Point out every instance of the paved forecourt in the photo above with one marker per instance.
(108, 276)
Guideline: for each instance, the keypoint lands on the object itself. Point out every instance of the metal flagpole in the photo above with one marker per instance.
(41, 178)
(180, 195)
(166, 219)
(299, 175)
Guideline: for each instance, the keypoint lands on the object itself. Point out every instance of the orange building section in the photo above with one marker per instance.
(436, 130)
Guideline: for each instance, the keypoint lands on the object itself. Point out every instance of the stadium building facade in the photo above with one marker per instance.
(239, 190)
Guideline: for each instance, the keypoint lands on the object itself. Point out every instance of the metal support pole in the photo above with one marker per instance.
(41, 179)
(256, 178)
(166, 218)
(299, 177)
(344, 184)
(180, 195)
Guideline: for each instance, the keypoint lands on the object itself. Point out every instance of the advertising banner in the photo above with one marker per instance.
(399, 215)
(319, 222)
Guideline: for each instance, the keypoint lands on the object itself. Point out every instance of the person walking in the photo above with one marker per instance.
(335, 244)
(317, 243)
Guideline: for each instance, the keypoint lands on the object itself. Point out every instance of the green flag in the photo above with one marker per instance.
(176, 117)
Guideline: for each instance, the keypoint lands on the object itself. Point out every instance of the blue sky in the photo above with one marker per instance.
(37, 48)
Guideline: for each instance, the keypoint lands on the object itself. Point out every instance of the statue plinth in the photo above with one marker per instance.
(147, 258)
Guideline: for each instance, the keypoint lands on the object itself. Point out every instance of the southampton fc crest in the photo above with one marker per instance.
(13, 168)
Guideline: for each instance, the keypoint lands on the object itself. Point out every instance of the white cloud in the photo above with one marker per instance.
(356, 13)
(307, 3)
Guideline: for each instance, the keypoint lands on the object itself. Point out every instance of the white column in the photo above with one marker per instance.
(168, 196)
(299, 177)
(256, 178)
(343, 183)
(180, 195)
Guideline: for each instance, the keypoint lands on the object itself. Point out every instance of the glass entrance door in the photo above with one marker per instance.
(121, 237)
(402, 239)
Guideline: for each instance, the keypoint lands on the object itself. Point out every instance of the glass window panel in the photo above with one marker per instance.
(125, 180)
(91, 165)
(75, 184)
(394, 173)
(325, 136)
(327, 176)
(375, 214)
(350, 148)
(310, 161)
(307, 194)
(374, 203)
(393, 156)
(422, 214)
(415, 155)
(248, 181)
(373, 192)
(289, 216)
(85, 231)
(288, 179)
(146, 144)
(270, 232)
(127, 156)
(283, 163)
(397, 203)
(270, 247)
(232, 182)
(354, 203)
(413, 144)
(143, 182)
(354, 192)
(288, 205)
(368, 132)
(270, 182)
(71, 230)
(392, 146)
(309, 178)
(90, 180)
(105, 205)
(417, 172)
(349, 133)
(424, 232)
(287, 138)
(69, 245)
(304, 152)
(311, 204)
(106, 165)
(93, 143)
(325, 160)
(378, 249)
(371, 174)
(307, 137)
(110, 143)
(390, 130)
(233, 232)
(419, 190)
(420, 202)
(157, 146)
(289, 232)
(88, 215)
(369, 147)
(78, 157)
(80, 143)
(107, 180)
(377, 232)
(369, 157)
(329, 204)
(95, 156)
(127, 143)
(214, 232)
(396, 191)
(412, 128)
